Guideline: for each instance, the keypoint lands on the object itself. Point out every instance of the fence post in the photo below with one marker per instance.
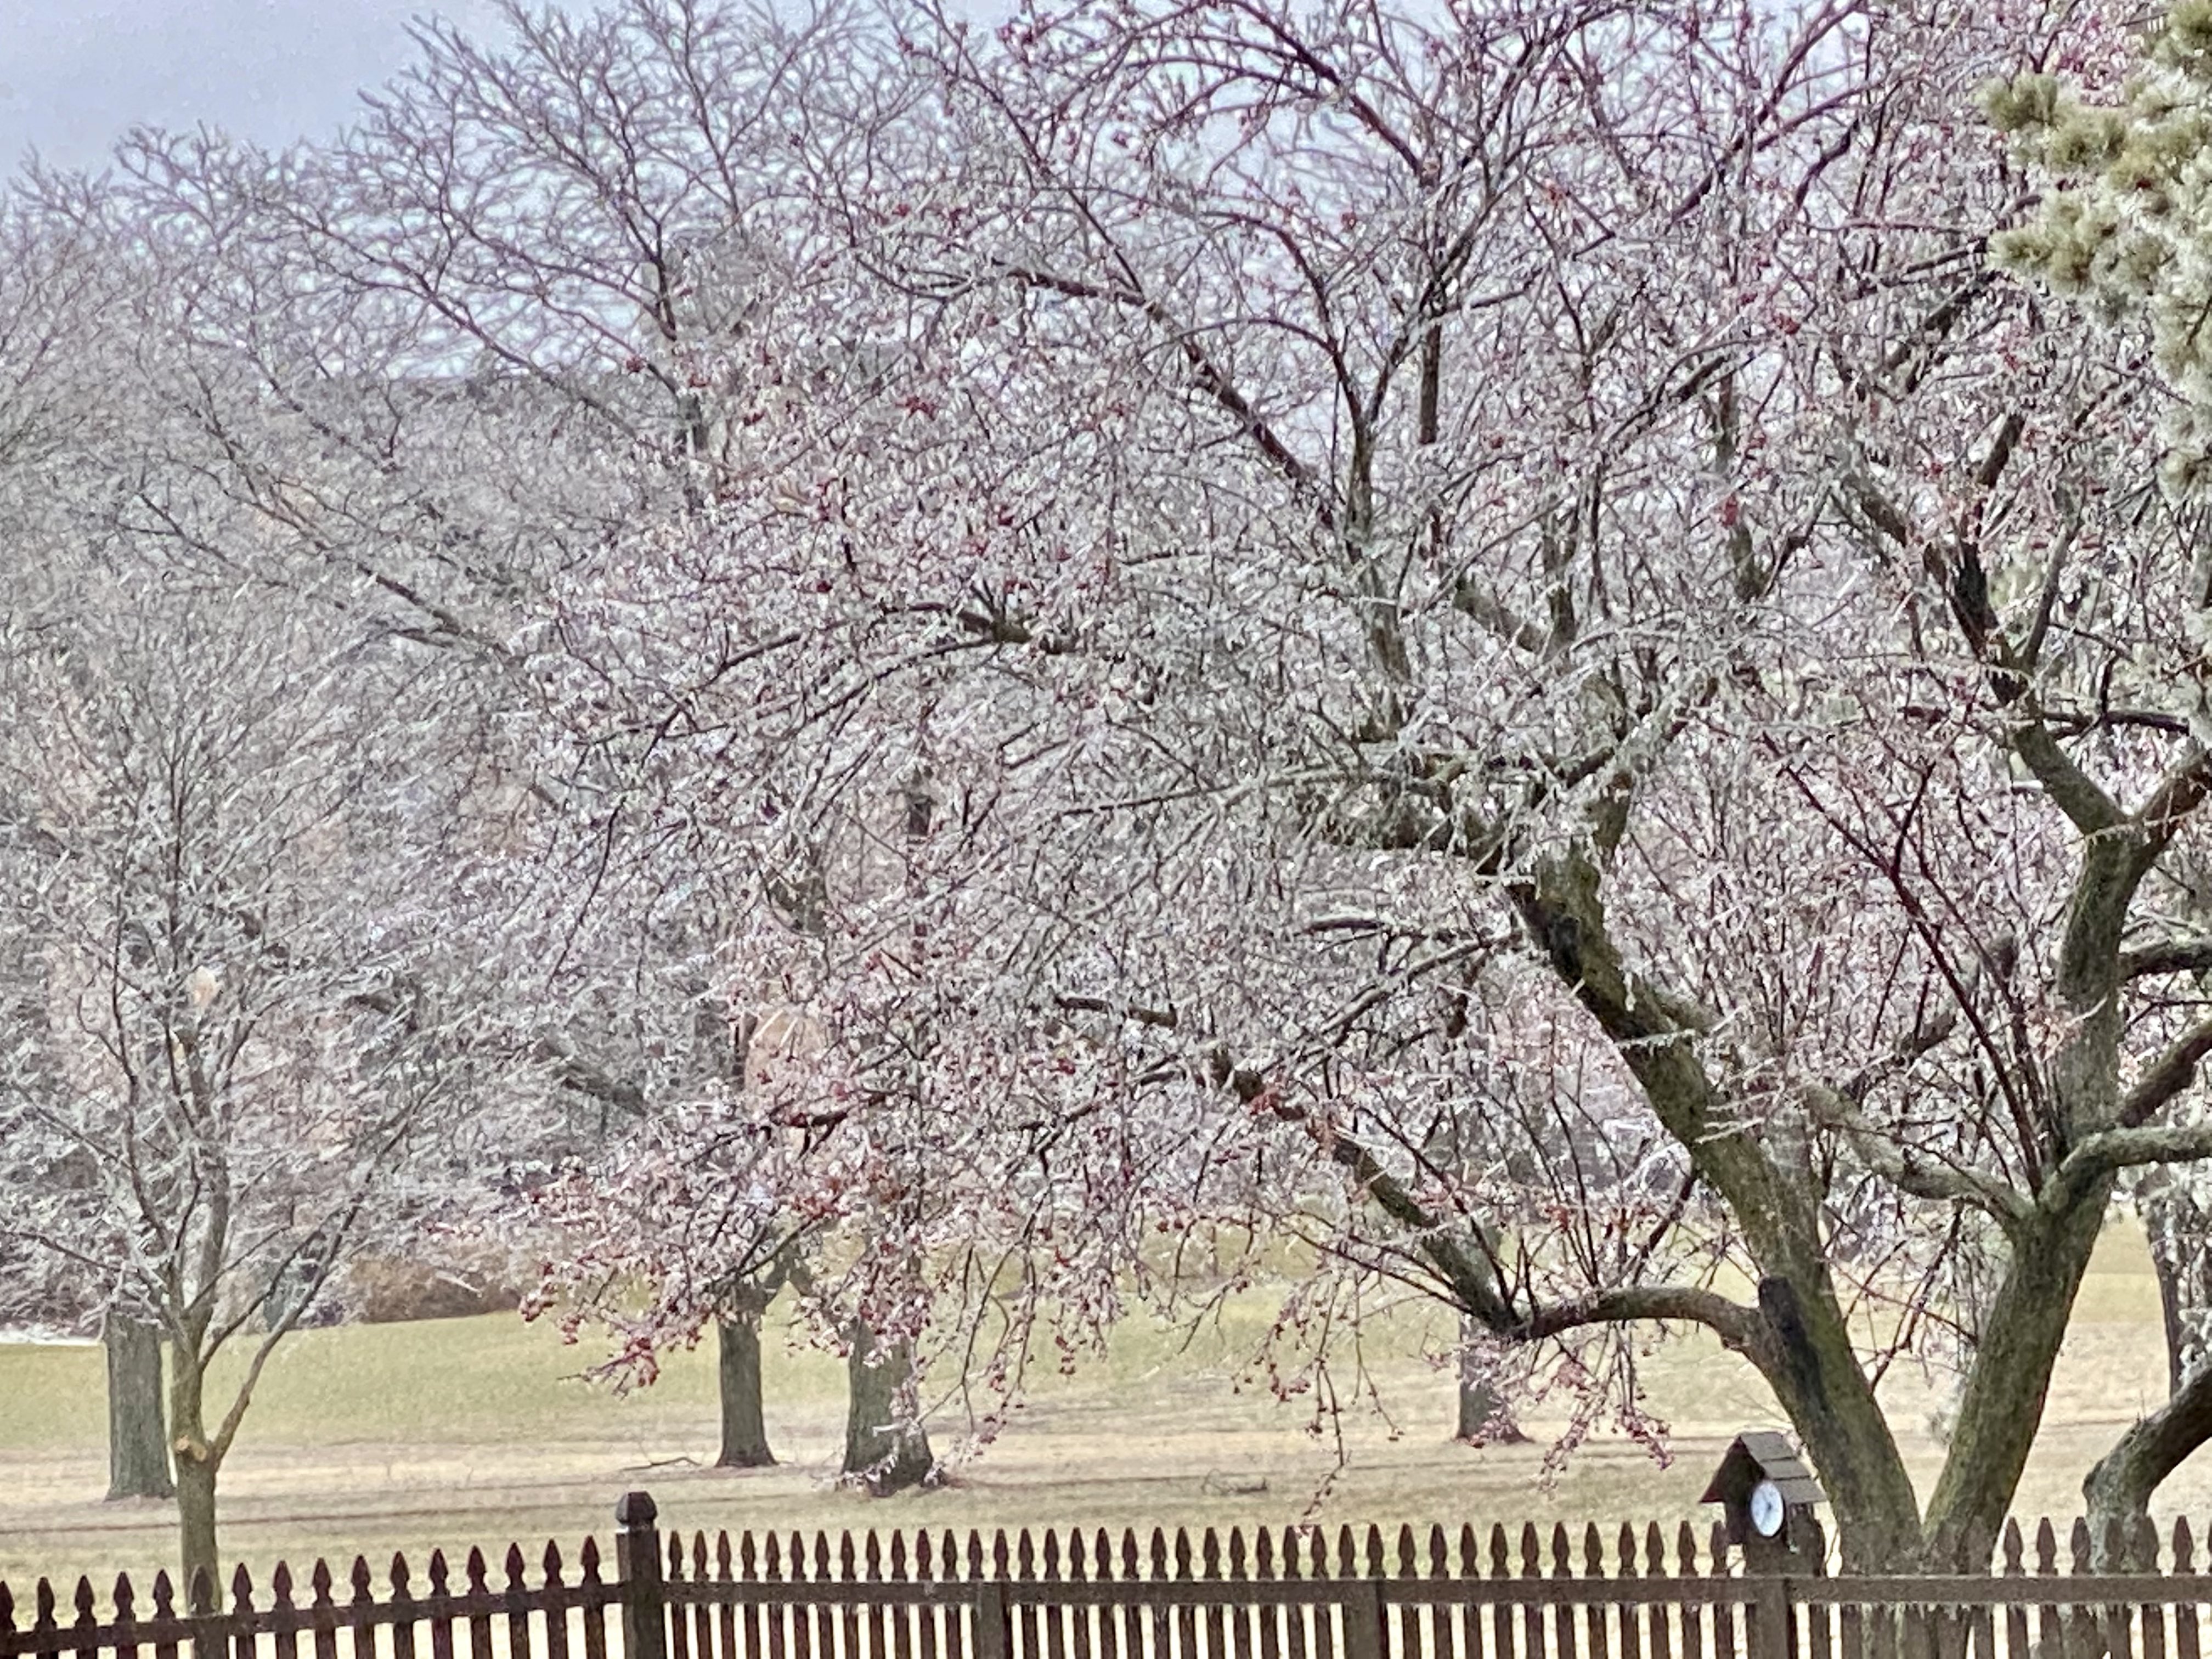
(1364, 1635)
(994, 1628)
(1770, 1618)
(637, 1566)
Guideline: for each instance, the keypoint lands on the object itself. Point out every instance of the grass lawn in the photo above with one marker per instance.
(456, 1432)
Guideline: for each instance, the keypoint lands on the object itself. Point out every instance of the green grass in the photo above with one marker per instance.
(477, 1431)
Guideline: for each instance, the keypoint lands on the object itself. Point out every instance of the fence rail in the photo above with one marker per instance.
(1281, 1594)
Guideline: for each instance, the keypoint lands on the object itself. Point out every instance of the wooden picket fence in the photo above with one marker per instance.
(1283, 1594)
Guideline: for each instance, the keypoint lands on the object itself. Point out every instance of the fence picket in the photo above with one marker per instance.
(727, 1619)
(42, 1623)
(323, 1611)
(2084, 1633)
(1563, 1614)
(480, 1594)
(1692, 1615)
(1101, 1570)
(125, 1617)
(360, 1611)
(774, 1624)
(518, 1604)
(801, 1635)
(1631, 1615)
(1597, 1640)
(595, 1616)
(1210, 1567)
(2050, 1622)
(2185, 1613)
(556, 1617)
(441, 1623)
(1716, 1566)
(1440, 1619)
(1470, 1566)
(946, 1565)
(1054, 1614)
(2143, 1557)
(1267, 1617)
(165, 1612)
(2011, 1545)
(1078, 1616)
(241, 1611)
(88, 1619)
(903, 1617)
(1532, 1616)
(1659, 1634)
(836, 1634)
(849, 1623)
(1324, 1628)
(1186, 1618)
(1501, 1616)
(1134, 1628)
(281, 1610)
(669, 1622)
(702, 1612)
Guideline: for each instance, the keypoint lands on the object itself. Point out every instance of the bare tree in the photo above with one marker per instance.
(245, 968)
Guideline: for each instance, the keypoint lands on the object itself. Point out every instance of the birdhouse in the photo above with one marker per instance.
(1766, 1494)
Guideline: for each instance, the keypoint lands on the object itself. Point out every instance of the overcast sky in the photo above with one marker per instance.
(74, 75)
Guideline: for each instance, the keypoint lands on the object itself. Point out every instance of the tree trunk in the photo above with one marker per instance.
(196, 1527)
(884, 1452)
(2179, 1229)
(2001, 1404)
(138, 1428)
(1484, 1419)
(197, 1461)
(738, 1354)
(2118, 1488)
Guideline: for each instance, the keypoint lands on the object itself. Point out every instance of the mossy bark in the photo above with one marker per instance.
(738, 1371)
(886, 1449)
(138, 1426)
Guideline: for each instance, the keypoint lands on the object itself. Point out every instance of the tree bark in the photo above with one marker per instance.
(2002, 1406)
(197, 1461)
(737, 1356)
(138, 1428)
(1484, 1419)
(2118, 1489)
(196, 1525)
(2179, 1229)
(882, 1451)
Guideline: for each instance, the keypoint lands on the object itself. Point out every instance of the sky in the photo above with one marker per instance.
(75, 74)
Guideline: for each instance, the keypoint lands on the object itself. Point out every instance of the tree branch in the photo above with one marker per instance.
(2112, 1150)
(1941, 1183)
(2173, 1071)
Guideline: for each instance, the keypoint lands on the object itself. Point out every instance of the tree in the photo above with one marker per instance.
(243, 961)
(2121, 234)
(1509, 582)
(1451, 559)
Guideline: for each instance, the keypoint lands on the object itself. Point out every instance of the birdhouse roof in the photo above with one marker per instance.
(1764, 1455)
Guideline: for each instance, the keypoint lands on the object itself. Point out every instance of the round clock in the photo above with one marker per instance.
(1767, 1509)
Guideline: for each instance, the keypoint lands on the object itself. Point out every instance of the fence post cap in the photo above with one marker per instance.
(636, 1509)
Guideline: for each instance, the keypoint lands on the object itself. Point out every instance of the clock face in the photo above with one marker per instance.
(1767, 1509)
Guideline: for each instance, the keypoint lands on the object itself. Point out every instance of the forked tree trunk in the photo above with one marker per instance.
(884, 1453)
(137, 1425)
(738, 1355)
